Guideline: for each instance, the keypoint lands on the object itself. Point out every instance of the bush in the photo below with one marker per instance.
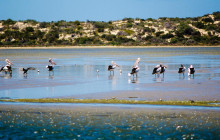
(76, 22)
(8, 22)
(100, 30)
(110, 37)
(29, 29)
(44, 25)
(167, 36)
(129, 25)
(158, 34)
(217, 16)
(100, 25)
(208, 19)
(199, 25)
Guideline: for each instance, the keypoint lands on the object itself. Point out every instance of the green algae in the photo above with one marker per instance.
(116, 101)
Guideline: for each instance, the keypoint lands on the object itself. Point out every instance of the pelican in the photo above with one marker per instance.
(135, 68)
(159, 69)
(112, 67)
(51, 67)
(7, 67)
(191, 70)
(182, 69)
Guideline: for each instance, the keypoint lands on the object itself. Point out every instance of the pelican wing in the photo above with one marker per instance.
(114, 64)
(158, 70)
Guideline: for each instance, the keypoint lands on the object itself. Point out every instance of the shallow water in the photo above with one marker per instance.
(75, 72)
(107, 122)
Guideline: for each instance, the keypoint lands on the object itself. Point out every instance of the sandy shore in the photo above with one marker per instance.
(198, 90)
(77, 47)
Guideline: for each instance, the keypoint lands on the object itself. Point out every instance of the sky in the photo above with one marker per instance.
(103, 10)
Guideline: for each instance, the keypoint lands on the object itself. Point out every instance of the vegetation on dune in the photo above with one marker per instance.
(203, 30)
(116, 101)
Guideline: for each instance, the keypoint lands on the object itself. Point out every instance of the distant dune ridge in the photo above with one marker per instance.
(164, 31)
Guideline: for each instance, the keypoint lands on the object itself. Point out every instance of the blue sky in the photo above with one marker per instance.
(103, 10)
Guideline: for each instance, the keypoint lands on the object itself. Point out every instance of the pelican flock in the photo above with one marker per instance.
(158, 69)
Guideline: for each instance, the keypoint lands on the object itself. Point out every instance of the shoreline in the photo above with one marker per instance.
(115, 101)
(102, 47)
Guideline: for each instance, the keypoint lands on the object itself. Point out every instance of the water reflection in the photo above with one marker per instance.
(158, 79)
(51, 75)
(133, 80)
(6, 76)
(190, 78)
(110, 77)
(25, 76)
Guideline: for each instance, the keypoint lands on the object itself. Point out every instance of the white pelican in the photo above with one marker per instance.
(7, 67)
(135, 68)
(51, 67)
(112, 67)
(182, 69)
(191, 70)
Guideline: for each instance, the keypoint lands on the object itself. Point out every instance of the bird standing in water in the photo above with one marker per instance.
(159, 69)
(182, 69)
(51, 67)
(112, 67)
(191, 70)
(7, 68)
(135, 68)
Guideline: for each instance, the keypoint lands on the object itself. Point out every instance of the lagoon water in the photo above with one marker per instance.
(75, 72)
(75, 75)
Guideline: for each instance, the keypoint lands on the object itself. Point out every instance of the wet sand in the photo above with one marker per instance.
(198, 90)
